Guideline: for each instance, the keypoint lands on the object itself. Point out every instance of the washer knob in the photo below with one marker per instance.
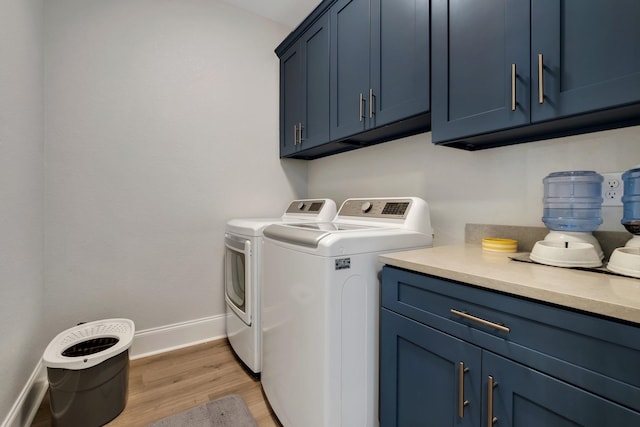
(301, 206)
(366, 207)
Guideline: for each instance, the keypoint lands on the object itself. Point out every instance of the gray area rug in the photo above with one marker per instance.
(228, 411)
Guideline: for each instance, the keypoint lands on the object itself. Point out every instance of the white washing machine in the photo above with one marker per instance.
(243, 260)
(320, 309)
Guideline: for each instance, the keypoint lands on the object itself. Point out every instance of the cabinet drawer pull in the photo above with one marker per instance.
(300, 127)
(461, 402)
(468, 316)
(361, 116)
(540, 79)
(491, 384)
(372, 98)
(513, 87)
(295, 134)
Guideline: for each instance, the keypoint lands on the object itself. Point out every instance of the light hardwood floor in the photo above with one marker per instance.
(172, 382)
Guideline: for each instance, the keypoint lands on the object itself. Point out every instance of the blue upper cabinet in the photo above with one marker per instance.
(400, 66)
(375, 76)
(315, 81)
(350, 24)
(380, 63)
(304, 91)
(480, 69)
(585, 56)
(509, 71)
(290, 93)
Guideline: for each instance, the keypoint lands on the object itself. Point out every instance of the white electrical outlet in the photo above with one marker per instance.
(612, 189)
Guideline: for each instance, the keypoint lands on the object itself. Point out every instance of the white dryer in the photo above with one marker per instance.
(243, 260)
(320, 309)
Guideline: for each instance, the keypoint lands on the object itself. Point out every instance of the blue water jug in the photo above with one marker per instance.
(631, 200)
(572, 201)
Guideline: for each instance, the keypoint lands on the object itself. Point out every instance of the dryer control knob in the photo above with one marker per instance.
(366, 207)
(301, 206)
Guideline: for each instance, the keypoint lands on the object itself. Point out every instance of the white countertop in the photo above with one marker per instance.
(605, 294)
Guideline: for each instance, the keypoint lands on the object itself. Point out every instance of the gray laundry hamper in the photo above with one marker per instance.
(88, 372)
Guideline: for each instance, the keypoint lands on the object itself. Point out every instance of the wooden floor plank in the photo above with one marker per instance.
(175, 381)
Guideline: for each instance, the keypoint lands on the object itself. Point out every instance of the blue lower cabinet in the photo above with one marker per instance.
(426, 376)
(519, 396)
(538, 365)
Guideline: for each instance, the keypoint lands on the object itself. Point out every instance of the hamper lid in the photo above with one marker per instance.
(89, 340)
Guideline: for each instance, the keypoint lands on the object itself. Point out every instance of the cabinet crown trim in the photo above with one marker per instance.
(303, 26)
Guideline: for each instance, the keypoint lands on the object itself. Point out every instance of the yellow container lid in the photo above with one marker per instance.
(494, 244)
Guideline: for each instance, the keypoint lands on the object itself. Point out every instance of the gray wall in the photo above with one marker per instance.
(496, 186)
(161, 124)
(20, 195)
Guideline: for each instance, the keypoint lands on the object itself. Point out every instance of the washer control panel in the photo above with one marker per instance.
(376, 208)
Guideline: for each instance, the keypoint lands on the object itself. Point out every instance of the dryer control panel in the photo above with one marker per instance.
(306, 206)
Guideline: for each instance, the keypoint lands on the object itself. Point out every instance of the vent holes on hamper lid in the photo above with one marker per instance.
(88, 347)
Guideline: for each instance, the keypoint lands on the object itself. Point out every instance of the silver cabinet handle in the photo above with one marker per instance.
(491, 384)
(513, 87)
(468, 316)
(361, 114)
(371, 103)
(461, 402)
(295, 134)
(540, 79)
(300, 128)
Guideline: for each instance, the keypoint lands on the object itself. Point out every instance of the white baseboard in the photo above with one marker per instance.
(145, 343)
(179, 335)
(24, 410)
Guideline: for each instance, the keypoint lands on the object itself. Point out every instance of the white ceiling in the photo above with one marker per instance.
(288, 12)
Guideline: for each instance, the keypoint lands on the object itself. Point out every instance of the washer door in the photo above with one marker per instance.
(237, 276)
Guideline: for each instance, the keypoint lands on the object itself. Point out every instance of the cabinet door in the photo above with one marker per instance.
(315, 84)
(349, 67)
(290, 98)
(524, 397)
(479, 48)
(420, 376)
(400, 78)
(590, 56)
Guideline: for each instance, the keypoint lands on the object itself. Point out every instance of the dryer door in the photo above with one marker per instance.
(238, 276)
